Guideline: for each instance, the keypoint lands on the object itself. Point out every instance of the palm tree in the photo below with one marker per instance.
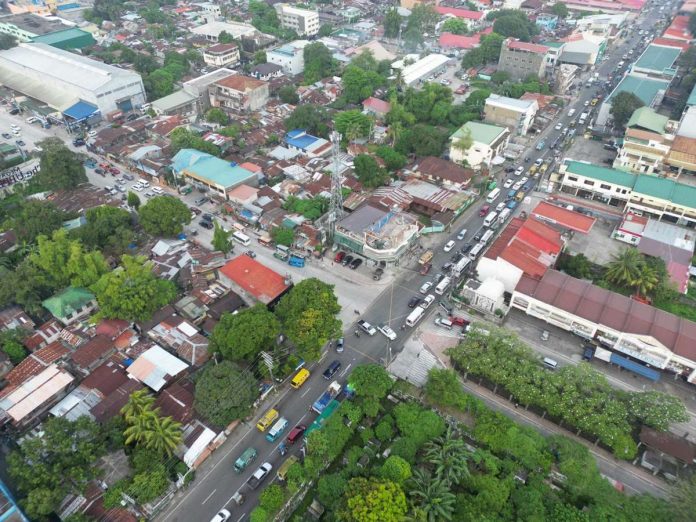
(645, 280)
(449, 457)
(139, 426)
(164, 435)
(139, 402)
(624, 268)
(431, 496)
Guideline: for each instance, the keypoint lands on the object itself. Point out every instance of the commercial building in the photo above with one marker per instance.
(303, 21)
(290, 57)
(72, 38)
(651, 91)
(63, 79)
(218, 175)
(488, 143)
(221, 55)
(625, 325)
(647, 142)
(24, 27)
(420, 69)
(238, 93)
(253, 280)
(516, 115)
(522, 59)
(211, 31)
(583, 50)
(657, 61)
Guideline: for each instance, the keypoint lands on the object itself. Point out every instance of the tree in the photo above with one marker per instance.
(319, 62)
(372, 500)
(432, 496)
(309, 117)
(217, 115)
(353, 124)
(623, 105)
(683, 494)
(163, 436)
(392, 23)
(272, 498)
(11, 344)
(443, 388)
(159, 83)
(288, 94)
(331, 487)
(692, 23)
(224, 393)
(260, 57)
(624, 267)
(371, 380)
(560, 10)
(369, 172)
(454, 26)
(395, 469)
(182, 138)
(487, 52)
(392, 160)
(60, 167)
(139, 402)
(133, 200)
(417, 423)
(164, 216)
(225, 38)
(645, 279)
(359, 83)
(422, 140)
(657, 409)
(131, 291)
(221, 240)
(283, 236)
(449, 457)
(59, 462)
(308, 315)
(107, 229)
(7, 41)
(37, 218)
(325, 30)
(242, 336)
(463, 143)
(421, 21)
(149, 485)
(576, 266)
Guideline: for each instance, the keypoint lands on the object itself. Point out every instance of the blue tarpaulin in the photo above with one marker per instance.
(630, 365)
(80, 111)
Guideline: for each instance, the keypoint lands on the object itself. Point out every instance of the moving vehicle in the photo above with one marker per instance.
(245, 459)
(508, 183)
(277, 429)
(366, 327)
(222, 516)
(550, 363)
(413, 302)
(426, 268)
(415, 316)
(558, 126)
(325, 398)
(296, 433)
(484, 210)
(340, 343)
(442, 286)
(332, 369)
(462, 234)
(285, 466)
(299, 261)
(490, 219)
(461, 266)
(205, 224)
(540, 145)
(240, 238)
(571, 112)
(426, 257)
(449, 246)
(250, 253)
(259, 475)
(429, 299)
(493, 195)
(300, 378)
(387, 332)
(474, 253)
(268, 418)
(519, 170)
(425, 287)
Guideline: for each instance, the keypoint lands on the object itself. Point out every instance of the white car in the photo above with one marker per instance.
(524, 179)
(587, 103)
(500, 206)
(571, 112)
(429, 299)
(367, 327)
(425, 287)
(462, 234)
(508, 183)
(92, 133)
(558, 126)
(517, 185)
(387, 332)
(448, 246)
(137, 188)
(222, 516)
(519, 171)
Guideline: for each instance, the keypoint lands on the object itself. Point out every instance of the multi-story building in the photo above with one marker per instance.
(290, 57)
(26, 26)
(516, 115)
(488, 141)
(522, 59)
(238, 93)
(303, 21)
(221, 55)
(647, 142)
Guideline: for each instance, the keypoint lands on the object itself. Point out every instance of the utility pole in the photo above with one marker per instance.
(268, 359)
(387, 360)
(336, 202)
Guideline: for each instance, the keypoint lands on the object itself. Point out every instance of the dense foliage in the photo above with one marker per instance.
(224, 393)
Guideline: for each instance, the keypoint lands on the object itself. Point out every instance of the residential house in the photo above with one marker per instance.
(13, 318)
(44, 334)
(183, 337)
(311, 146)
(71, 304)
(516, 115)
(289, 57)
(238, 93)
(91, 354)
(36, 362)
(488, 141)
(443, 172)
(266, 71)
(211, 30)
(253, 280)
(376, 107)
(156, 368)
(221, 55)
(647, 142)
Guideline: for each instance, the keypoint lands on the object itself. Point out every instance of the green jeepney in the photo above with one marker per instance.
(245, 459)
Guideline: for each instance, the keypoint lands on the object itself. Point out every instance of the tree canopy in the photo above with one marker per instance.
(353, 124)
(623, 105)
(60, 167)
(371, 380)
(392, 23)
(108, 229)
(37, 218)
(374, 500)
(319, 62)
(310, 117)
(560, 10)
(164, 216)
(183, 138)
(360, 83)
(221, 239)
(487, 52)
(217, 115)
(454, 26)
(513, 22)
(369, 172)
(224, 393)
(243, 335)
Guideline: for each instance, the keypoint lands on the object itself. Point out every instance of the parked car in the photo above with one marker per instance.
(429, 299)
(425, 268)
(340, 343)
(347, 259)
(366, 327)
(201, 201)
(425, 287)
(356, 263)
(332, 369)
(205, 224)
(413, 302)
(339, 256)
(250, 253)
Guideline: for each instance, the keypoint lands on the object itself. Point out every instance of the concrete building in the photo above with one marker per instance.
(192, 99)
(71, 38)
(605, 25)
(651, 91)
(221, 55)
(647, 142)
(266, 71)
(582, 50)
(522, 59)
(516, 115)
(657, 61)
(218, 175)
(290, 57)
(416, 71)
(681, 158)
(312, 146)
(238, 93)
(211, 30)
(25, 27)
(488, 142)
(63, 79)
(303, 21)
(564, 77)
(660, 198)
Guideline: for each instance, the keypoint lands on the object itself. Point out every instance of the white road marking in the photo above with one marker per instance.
(208, 497)
(306, 392)
(345, 370)
(240, 518)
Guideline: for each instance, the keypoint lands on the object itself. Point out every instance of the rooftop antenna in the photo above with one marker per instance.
(336, 203)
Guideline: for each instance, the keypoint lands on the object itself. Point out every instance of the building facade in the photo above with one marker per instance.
(303, 21)
(221, 55)
(488, 141)
(238, 93)
(516, 115)
(647, 142)
(24, 27)
(290, 57)
(522, 59)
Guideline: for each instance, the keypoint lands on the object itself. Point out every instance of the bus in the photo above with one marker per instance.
(487, 237)
(282, 252)
(461, 266)
(442, 286)
(415, 316)
(490, 219)
(474, 253)
(241, 238)
(493, 195)
(277, 429)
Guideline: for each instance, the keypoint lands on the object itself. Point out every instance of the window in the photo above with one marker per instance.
(605, 186)
(588, 182)
(572, 178)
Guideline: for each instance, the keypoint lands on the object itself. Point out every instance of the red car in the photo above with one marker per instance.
(339, 256)
(114, 171)
(426, 268)
(459, 321)
(296, 433)
(484, 210)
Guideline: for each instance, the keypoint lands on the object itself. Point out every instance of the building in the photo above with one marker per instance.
(376, 107)
(91, 354)
(487, 296)
(221, 55)
(378, 233)
(156, 368)
(489, 141)
(71, 304)
(657, 61)
(660, 198)
(583, 49)
(546, 21)
(472, 18)
(647, 142)
(443, 172)
(266, 71)
(624, 325)
(564, 77)
(651, 91)
(24, 27)
(290, 57)
(303, 21)
(182, 337)
(63, 80)
(606, 25)
(449, 41)
(415, 71)
(516, 115)
(71, 38)
(254, 281)
(211, 30)
(204, 169)
(312, 146)
(522, 59)
(681, 157)
(238, 93)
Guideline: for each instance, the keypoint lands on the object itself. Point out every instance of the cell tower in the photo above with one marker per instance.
(336, 203)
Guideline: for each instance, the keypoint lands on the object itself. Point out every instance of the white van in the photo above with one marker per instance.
(490, 219)
(415, 316)
(442, 286)
(550, 363)
(158, 190)
(571, 112)
(144, 183)
(449, 246)
(462, 234)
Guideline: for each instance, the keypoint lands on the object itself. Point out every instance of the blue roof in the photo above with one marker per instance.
(296, 132)
(65, 7)
(300, 139)
(207, 167)
(81, 110)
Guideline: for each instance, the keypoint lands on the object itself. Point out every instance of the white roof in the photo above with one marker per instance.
(173, 100)
(35, 392)
(236, 29)
(423, 68)
(510, 103)
(154, 366)
(687, 127)
(199, 445)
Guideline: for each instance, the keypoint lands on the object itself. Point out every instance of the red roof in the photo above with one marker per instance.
(93, 350)
(524, 257)
(458, 41)
(256, 279)
(526, 46)
(106, 378)
(562, 216)
(176, 402)
(460, 13)
(540, 236)
(671, 42)
(679, 29)
(37, 362)
(377, 105)
(112, 328)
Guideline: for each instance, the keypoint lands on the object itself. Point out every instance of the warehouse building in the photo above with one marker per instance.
(418, 71)
(62, 80)
(26, 26)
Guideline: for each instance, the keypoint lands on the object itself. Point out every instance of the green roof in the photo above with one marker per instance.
(72, 38)
(481, 132)
(667, 189)
(65, 303)
(555, 45)
(645, 88)
(658, 58)
(617, 177)
(648, 119)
